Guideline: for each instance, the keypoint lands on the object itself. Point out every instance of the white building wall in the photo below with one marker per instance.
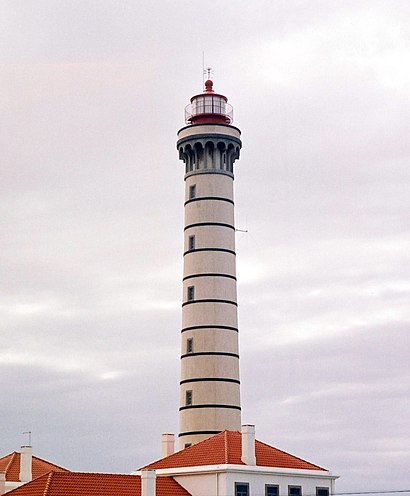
(258, 481)
(200, 484)
(221, 482)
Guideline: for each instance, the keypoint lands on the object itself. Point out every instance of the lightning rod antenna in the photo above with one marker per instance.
(203, 68)
(29, 437)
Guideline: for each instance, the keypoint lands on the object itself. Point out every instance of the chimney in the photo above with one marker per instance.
(248, 445)
(26, 456)
(168, 444)
(2, 483)
(148, 482)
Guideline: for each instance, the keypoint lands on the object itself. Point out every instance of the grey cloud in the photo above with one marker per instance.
(91, 225)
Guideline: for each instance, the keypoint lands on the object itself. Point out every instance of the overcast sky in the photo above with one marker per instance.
(92, 94)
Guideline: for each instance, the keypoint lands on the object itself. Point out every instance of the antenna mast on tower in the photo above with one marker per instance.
(203, 69)
(208, 72)
(29, 437)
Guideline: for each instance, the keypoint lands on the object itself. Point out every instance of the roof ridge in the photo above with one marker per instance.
(177, 453)
(8, 455)
(290, 454)
(13, 455)
(48, 483)
(172, 455)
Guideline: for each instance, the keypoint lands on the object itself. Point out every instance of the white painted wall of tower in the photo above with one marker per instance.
(209, 390)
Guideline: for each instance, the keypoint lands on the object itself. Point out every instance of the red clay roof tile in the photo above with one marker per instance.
(90, 484)
(226, 448)
(10, 464)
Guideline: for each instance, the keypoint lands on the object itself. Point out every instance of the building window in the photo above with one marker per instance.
(191, 293)
(271, 490)
(241, 489)
(187, 445)
(294, 490)
(191, 243)
(192, 192)
(322, 491)
(190, 349)
(188, 398)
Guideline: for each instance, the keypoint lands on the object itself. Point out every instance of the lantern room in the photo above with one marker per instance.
(209, 108)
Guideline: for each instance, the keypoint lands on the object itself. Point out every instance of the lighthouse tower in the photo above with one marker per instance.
(209, 387)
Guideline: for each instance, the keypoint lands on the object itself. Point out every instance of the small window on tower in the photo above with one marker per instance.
(190, 348)
(322, 491)
(192, 192)
(191, 293)
(191, 243)
(188, 398)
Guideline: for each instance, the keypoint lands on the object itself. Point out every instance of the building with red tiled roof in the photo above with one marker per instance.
(90, 484)
(236, 464)
(226, 449)
(21, 467)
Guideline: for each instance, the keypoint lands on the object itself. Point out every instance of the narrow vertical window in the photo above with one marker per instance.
(241, 489)
(192, 192)
(188, 398)
(191, 243)
(190, 345)
(191, 293)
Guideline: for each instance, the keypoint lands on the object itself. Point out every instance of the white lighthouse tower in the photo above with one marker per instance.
(209, 387)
